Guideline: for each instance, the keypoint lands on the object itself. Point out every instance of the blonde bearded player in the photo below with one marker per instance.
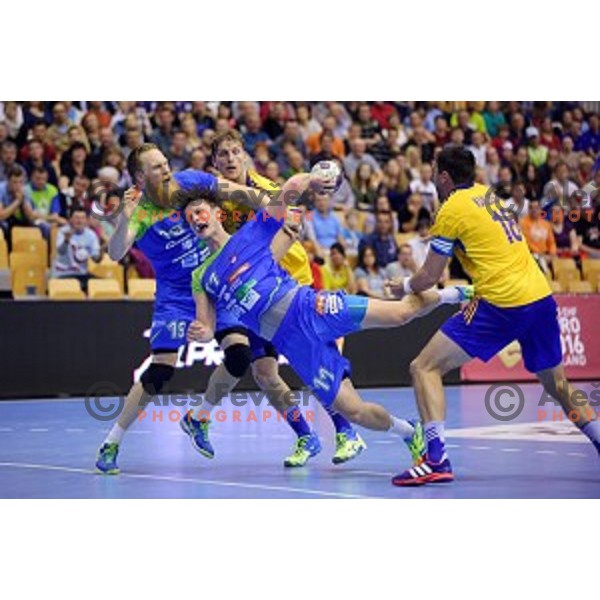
(233, 163)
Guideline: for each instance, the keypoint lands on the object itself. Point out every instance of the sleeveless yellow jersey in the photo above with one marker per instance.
(490, 246)
(295, 262)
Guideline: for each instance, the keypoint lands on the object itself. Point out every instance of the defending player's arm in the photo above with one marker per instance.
(445, 234)
(124, 235)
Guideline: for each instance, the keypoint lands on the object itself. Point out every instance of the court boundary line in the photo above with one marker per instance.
(174, 479)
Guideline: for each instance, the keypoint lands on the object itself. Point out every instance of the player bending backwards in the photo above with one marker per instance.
(242, 276)
(174, 250)
(513, 301)
(231, 160)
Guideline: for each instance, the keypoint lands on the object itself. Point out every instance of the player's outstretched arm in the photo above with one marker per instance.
(425, 278)
(203, 328)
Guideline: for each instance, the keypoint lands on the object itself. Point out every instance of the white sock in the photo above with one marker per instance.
(115, 435)
(401, 427)
(203, 411)
(449, 295)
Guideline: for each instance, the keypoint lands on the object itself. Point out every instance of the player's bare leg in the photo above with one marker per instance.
(375, 417)
(438, 357)
(389, 313)
(161, 366)
(575, 405)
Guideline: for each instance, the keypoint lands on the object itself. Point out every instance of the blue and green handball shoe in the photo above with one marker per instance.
(306, 447)
(198, 433)
(106, 461)
(348, 445)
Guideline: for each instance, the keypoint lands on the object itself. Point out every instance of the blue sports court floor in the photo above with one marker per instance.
(47, 450)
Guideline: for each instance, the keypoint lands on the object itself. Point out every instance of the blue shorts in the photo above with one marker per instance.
(171, 320)
(170, 323)
(482, 330)
(307, 335)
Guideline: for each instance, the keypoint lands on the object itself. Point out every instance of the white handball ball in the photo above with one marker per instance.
(330, 173)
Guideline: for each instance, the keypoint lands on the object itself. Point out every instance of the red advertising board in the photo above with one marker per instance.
(579, 318)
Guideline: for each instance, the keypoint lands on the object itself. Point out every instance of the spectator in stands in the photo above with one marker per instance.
(388, 147)
(494, 118)
(536, 151)
(382, 240)
(162, 136)
(44, 201)
(75, 161)
(39, 131)
(365, 183)
(478, 148)
(338, 275)
(547, 136)
(58, 132)
(352, 233)
(15, 204)
(36, 160)
(326, 152)
(589, 142)
(313, 142)
(253, 133)
(412, 213)
(11, 114)
(560, 188)
(396, 183)
(75, 244)
(492, 166)
(370, 277)
(296, 164)
(198, 159)
(370, 128)
(565, 233)
(358, 154)
(322, 227)
(539, 235)
(504, 187)
(405, 266)
(424, 186)
(382, 204)
(343, 198)
(75, 196)
(179, 155)
(307, 124)
(441, 132)
(8, 158)
(291, 133)
(420, 243)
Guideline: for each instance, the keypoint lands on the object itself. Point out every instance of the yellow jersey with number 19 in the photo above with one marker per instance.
(490, 246)
(295, 262)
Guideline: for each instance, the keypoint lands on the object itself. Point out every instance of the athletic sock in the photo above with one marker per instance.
(296, 421)
(202, 412)
(592, 430)
(401, 427)
(115, 435)
(434, 439)
(339, 422)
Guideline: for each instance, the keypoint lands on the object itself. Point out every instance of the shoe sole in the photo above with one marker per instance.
(109, 472)
(340, 461)
(432, 478)
(199, 450)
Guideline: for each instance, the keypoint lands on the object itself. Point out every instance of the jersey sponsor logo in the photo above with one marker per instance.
(238, 272)
(329, 304)
(247, 296)
(172, 232)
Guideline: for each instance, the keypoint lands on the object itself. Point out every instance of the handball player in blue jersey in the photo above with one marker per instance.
(148, 219)
(242, 276)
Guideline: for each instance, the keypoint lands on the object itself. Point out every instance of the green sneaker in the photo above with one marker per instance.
(106, 461)
(306, 447)
(348, 445)
(416, 444)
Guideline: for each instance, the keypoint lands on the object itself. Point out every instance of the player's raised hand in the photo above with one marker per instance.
(131, 199)
(199, 332)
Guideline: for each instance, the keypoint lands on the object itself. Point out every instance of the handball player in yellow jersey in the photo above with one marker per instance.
(513, 301)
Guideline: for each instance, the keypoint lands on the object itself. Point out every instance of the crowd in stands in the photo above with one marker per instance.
(541, 156)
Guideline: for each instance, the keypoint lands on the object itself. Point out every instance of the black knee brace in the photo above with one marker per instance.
(155, 376)
(237, 359)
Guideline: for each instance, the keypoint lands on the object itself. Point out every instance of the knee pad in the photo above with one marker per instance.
(237, 359)
(155, 376)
